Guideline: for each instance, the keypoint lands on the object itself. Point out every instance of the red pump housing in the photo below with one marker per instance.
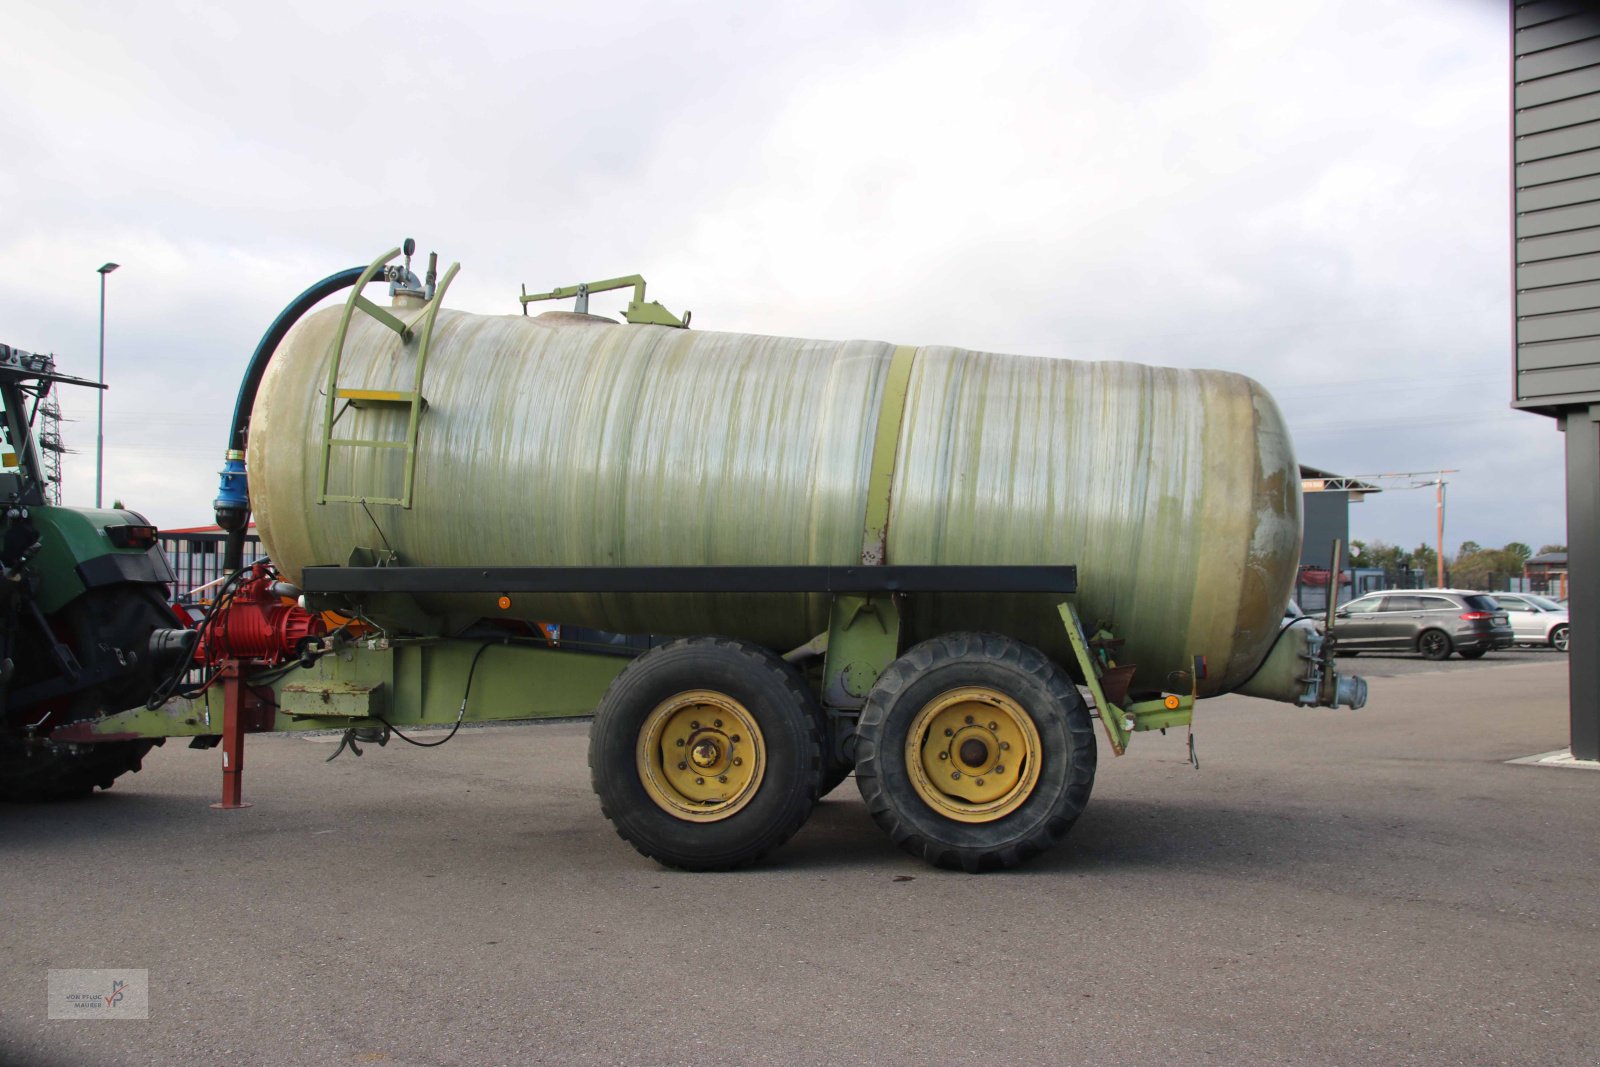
(256, 624)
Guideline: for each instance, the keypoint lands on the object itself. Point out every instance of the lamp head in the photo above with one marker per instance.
(108, 268)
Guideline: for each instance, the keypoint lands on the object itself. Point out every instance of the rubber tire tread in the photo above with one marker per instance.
(57, 772)
(1026, 675)
(1473, 653)
(1449, 645)
(774, 694)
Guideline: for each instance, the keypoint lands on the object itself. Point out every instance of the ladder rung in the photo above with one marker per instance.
(361, 397)
(367, 444)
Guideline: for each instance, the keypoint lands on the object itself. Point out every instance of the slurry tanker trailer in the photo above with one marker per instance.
(932, 567)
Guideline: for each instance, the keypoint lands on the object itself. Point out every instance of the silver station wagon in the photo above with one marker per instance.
(1535, 620)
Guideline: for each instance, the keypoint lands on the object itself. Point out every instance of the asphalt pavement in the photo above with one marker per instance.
(1373, 887)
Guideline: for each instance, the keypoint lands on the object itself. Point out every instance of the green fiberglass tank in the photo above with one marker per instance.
(565, 439)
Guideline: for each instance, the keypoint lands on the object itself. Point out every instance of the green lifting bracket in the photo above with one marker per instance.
(640, 312)
(1172, 709)
(419, 331)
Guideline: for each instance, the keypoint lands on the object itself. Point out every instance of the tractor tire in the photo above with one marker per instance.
(47, 771)
(975, 751)
(705, 753)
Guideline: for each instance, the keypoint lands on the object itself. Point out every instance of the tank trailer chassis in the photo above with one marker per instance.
(279, 670)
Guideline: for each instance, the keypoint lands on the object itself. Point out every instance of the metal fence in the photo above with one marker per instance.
(196, 559)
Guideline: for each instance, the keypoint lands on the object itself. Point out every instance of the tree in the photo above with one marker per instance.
(1487, 569)
(1425, 559)
(1520, 550)
(1381, 554)
(1468, 548)
(1544, 549)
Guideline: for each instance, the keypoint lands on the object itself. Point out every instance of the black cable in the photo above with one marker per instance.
(169, 688)
(460, 714)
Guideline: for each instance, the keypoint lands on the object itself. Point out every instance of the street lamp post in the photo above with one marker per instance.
(100, 394)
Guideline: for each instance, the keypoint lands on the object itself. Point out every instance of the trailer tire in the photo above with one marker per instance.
(31, 774)
(745, 727)
(968, 700)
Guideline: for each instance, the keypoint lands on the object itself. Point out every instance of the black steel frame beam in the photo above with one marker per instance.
(809, 579)
(1582, 426)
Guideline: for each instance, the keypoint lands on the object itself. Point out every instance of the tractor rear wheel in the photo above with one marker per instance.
(44, 771)
(705, 753)
(975, 751)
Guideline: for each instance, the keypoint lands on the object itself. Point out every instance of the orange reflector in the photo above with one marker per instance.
(505, 603)
(1171, 702)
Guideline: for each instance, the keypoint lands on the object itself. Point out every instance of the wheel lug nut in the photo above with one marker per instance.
(993, 727)
(956, 775)
(980, 781)
(682, 766)
(738, 761)
(722, 777)
(1005, 746)
(699, 781)
(969, 720)
(999, 768)
(717, 724)
(944, 755)
(694, 726)
(949, 733)
(734, 739)
(680, 742)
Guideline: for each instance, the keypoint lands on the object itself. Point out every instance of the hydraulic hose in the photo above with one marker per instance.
(233, 506)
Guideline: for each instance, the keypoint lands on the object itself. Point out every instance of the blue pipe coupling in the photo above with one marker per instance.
(233, 494)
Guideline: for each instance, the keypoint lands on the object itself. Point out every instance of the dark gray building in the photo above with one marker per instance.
(1325, 513)
(1555, 177)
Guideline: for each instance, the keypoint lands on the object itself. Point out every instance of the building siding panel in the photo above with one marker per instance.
(1554, 34)
(1557, 169)
(1577, 243)
(1560, 194)
(1555, 116)
(1553, 384)
(1559, 272)
(1546, 10)
(1585, 53)
(1560, 298)
(1559, 327)
(1558, 220)
(1556, 179)
(1559, 87)
(1556, 354)
(1558, 142)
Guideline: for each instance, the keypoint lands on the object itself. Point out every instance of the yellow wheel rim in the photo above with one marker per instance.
(701, 755)
(973, 754)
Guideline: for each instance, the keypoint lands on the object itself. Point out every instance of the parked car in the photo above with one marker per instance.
(1535, 620)
(1434, 622)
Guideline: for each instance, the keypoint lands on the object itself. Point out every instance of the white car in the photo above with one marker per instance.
(1535, 620)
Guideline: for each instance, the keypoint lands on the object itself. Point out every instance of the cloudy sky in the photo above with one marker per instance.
(1313, 194)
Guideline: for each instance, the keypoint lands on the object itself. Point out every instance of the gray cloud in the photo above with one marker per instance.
(1314, 195)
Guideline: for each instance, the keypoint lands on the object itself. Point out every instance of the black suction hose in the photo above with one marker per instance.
(233, 505)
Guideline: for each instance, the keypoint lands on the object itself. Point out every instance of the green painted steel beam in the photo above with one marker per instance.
(1116, 724)
(409, 683)
(863, 639)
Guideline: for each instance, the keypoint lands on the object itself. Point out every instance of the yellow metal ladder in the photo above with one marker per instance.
(338, 399)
